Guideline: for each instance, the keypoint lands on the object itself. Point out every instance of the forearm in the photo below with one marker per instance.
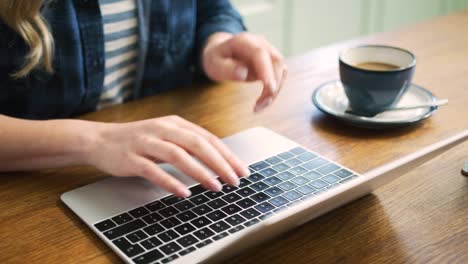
(30, 145)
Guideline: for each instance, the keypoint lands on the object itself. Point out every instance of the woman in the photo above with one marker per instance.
(63, 58)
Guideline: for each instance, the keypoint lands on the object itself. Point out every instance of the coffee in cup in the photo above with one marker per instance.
(375, 77)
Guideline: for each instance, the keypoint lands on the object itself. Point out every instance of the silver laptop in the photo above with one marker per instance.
(288, 186)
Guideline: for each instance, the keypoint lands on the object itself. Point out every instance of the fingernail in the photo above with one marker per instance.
(184, 192)
(235, 180)
(263, 105)
(273, 87)
(246, 172)
(241, 73)
(215, 185)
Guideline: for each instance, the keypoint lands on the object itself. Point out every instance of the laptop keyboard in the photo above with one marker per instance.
(163, 230)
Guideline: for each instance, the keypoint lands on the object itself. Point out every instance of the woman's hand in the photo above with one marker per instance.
(131, 149)
(245, 57)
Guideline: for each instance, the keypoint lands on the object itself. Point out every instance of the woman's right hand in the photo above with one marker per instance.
(133, 149)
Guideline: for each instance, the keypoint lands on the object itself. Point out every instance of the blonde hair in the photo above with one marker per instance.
(24, 17)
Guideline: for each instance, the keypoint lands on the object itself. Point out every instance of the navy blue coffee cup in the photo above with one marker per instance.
(369, 90)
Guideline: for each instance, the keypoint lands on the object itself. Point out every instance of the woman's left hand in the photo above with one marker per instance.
(245, 57)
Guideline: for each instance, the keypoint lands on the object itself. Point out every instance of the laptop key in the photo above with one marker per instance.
(250, 213)
(231, 197)
(312, 175)
(185, 205)
(286, 186)
(264, 207)
(170, 248)
(199, 199)
(235, 219)
(329, 168)
(168, 236)
(272, 181)
(124, 229)
(265, 216)
(331, 178)
(285, 175)
(260, 197)
(306, 156)
(202, 209)
(220, 226)
(342, 173)
(184, 229)
(216, 215)
(231, 209)
(243, 182)
(317, 162)
(170, 222)
(217, 203)
(300, 180)
(273, 160)
(293, 162)
(246, 191)
(139, 212)
(122, 218)
(150, 243)
(246, 203)
(128, 248)
(298, 170)
(204, 243)
(168, 211)
(278, 201)
(348, 179)
(186, 216)
(235, 229)
(256, 177)
(197, 189)
(203, 233)
(229, 188)
(169, 259)
(280, 167)
(292, 195)
(268, 172)
(187, 240)
(105, 225)
(222, 235)
(154, 229)
(186, 251)
(213, 195)
(318, 184)
(201, 222)
(148, 257)
(154, 206)
(137, 236)
(297, 150)
(170, 200)
(259, 186)
(259, 166)
(286, 155)
(305, 189)
(152, 218)
(273, 191)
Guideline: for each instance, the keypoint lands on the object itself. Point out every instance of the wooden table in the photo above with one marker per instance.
(421, 217)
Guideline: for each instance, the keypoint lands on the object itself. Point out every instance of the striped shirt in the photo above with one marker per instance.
(120, 25)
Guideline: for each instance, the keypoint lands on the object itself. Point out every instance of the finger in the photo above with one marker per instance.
(284, 75)
(153, 173)
(226, 68)
(179, 158)
(205, 152)
(239, 167)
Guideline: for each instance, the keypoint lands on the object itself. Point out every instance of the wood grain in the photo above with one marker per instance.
(419, 218)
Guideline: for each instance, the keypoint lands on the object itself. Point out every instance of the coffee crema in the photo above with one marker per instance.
(376, 66)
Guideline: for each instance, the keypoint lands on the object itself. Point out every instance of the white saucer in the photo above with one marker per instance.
(331, 99)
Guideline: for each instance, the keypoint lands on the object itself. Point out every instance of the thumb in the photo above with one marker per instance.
(228, 69)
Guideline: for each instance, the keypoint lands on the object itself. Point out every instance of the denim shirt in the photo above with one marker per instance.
(171, 36)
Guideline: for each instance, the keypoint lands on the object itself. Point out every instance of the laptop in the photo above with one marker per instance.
(288, 186)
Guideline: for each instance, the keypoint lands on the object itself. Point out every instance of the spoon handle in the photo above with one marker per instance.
(430, 104)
